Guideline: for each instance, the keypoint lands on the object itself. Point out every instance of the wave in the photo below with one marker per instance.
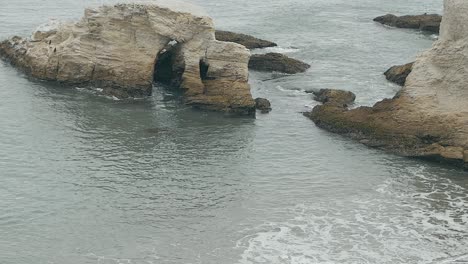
(414, 218)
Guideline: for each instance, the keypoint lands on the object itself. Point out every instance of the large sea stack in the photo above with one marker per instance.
(428, 118)
(124, 48)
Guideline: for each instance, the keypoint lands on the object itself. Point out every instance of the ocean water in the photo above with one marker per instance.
(86, 179)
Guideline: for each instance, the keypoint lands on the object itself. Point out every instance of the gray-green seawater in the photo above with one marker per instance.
(86, 179)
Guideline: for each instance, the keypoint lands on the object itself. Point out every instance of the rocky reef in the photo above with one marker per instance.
(425, 22)
(276, 62)
(263, 105)
(124, 48)
(247, 41)
(428, 118)
(334, 96)
(399, 73)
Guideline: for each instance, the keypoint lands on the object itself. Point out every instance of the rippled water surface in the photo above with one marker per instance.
(85, 179)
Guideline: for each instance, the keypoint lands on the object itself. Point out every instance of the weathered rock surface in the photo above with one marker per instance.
(399, 73)
(276, 62)
(425, 22)
(429, 116)
(123, 48)
(248, 41)
(263, 105)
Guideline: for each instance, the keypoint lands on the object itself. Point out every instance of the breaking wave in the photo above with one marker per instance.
(411, 219)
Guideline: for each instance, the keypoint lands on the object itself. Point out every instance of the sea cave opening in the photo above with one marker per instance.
(169, 67)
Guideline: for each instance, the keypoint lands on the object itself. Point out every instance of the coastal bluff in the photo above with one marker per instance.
(124, 48)
(428, 118)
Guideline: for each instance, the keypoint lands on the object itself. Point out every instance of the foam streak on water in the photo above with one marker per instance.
(424, 224)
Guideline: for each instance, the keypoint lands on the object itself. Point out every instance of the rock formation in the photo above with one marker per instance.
(263, 105)
(270, 62)
(277, 62)
(399, 73)
(124, 48)
(428, 118)
(249, 42)
(425, 22)
(333, 96)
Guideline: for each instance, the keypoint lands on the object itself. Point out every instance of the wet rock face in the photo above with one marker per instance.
(249, 42)
(263, 105)
(123, 48)
(398, 74)
(333, 96)
(276, 62)
(429, 117)
(425, 22)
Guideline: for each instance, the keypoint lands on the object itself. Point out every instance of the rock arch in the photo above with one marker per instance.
(114, 47)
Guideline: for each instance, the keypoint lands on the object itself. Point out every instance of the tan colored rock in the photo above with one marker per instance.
(455, 153)
(122, 48)
(430, 110)
(465, 156)
(399, 73)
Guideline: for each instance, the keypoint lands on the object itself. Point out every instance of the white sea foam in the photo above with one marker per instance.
(277, 50)
(415, 219)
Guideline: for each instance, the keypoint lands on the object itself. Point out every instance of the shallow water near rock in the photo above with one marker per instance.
(88, 179)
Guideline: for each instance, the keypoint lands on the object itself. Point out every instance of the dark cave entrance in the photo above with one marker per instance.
(204, 70)
(169, 67)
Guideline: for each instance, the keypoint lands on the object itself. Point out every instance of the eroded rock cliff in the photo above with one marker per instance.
(429, 117)
(124, 48)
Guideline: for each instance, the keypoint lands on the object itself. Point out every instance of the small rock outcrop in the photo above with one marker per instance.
(334, 96)
(263, 105)
(276, 62)
(425, 22)
(428, 118)
(124, 48)
(247, 41)
(399, 73)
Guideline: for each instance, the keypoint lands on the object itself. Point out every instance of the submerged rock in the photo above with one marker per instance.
(249, 42)
(398, 74)
(263, 105)
(429, 116)
(276, 62)
(124, 48)
(425, 22)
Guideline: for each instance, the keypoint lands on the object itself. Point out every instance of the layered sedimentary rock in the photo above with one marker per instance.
(425, 22)
(248, 41)
(124, 48)
(429, 117)
(399, 73)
